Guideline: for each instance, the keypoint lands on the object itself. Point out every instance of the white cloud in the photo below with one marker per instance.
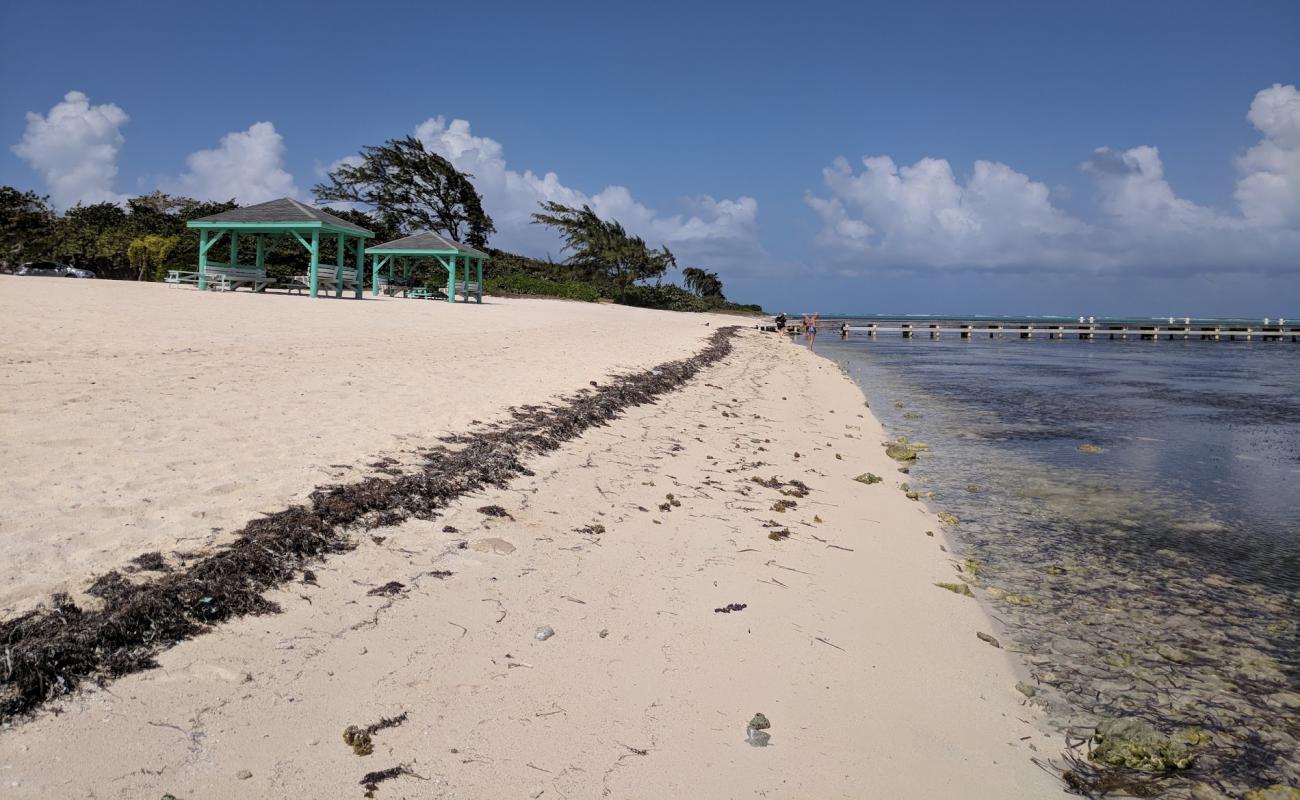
(923, 216)
(74, 147)
(1269, 190)
(712, 232)
(247, 165)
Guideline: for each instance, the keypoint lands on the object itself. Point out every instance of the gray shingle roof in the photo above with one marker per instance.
(425, 240)
(286, 209)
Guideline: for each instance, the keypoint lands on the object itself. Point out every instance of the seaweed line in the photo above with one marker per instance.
(54, 649)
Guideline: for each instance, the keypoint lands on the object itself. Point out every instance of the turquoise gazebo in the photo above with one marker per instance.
(267, 223)
(426, 244)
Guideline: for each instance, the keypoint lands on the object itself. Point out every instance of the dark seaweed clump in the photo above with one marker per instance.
(54, 649)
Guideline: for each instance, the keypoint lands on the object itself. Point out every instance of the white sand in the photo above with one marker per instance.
(873, 679)
(143, 417)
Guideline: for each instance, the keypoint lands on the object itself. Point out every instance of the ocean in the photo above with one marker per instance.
(1158, 578)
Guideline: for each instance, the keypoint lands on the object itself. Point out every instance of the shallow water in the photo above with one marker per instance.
(1159, 578)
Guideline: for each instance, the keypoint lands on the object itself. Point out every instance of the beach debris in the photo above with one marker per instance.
(756, 730)
(817, 518)
(151, 562)
(440, 574)
(494, 511)
(604, 632)
(1091, 449)
(450, 529)
(730, 607)
(309, 577)
(780, 506)
(360, 739)
(388, 589)
(52, 650)
(1026, 689)
(673, 501)
(779, 535)
(371, 780)
(947, 518)
(972, 488)
(1134, 743)
(494, 545)
(988, 637)
(244, 774)
(543, 633)
(956, 588)
(868, 478)
(595, 529)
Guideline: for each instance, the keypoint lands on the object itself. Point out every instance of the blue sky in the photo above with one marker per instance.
(716, 128)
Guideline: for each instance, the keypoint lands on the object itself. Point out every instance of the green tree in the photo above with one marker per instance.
(26, 226)
(602, 250)
(93, 236)
(702, 283)
(148, 255)
(411, 188)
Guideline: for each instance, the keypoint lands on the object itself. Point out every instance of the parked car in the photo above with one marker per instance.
(53, 269)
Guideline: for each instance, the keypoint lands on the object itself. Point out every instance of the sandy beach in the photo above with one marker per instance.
(139, 418)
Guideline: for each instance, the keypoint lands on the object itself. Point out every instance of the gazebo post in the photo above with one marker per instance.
(479, 294)
(374, 276)
(340, 243)
(314, 272)
(451, 279)
(361, 266)
(203, 258)
(261, 258)
(234, 249)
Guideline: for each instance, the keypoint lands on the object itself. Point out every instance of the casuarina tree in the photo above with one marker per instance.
(411, 188)
(602, 251)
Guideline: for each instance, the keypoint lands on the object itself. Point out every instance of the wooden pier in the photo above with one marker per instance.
(1024, 330)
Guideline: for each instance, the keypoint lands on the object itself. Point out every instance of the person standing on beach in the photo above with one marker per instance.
(780, 322)
(812, 330)
(844, 330)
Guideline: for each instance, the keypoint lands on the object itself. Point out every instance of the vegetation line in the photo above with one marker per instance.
(53, 650)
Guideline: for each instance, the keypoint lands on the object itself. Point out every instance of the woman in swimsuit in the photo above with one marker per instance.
(812, 330)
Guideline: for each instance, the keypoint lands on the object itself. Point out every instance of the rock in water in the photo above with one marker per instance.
(1277, 791)
(900, 451)
(956, 588)
(1135, 744)
(986, 637)
(1091, 449)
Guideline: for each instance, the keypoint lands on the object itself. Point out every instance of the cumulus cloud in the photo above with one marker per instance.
(923, 216)
(1269, 190)
(247, 165)
(710, 232)
(75, 147)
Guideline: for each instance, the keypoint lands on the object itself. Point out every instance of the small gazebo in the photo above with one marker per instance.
(426, 244)
(271, 221)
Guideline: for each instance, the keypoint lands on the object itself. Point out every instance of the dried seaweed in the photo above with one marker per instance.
(53, 650)
(371, 780)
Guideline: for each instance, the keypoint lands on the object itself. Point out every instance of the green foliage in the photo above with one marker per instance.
(602, 251)
(26, 227)
(148, 255)
(411, 189)
(702, 282)
(522, 283)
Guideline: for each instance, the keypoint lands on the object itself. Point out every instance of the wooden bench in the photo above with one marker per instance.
(238, 275)
(327, 277)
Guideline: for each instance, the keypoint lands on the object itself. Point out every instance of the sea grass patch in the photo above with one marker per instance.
(53, 650)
